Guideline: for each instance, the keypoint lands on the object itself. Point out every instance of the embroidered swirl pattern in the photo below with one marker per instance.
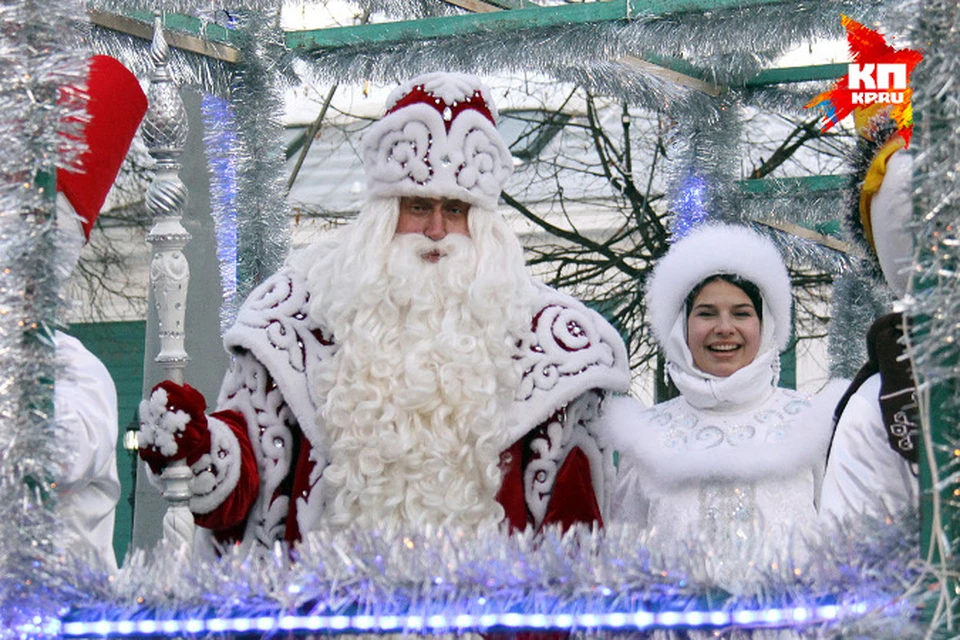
(563, 342)
(552, 442)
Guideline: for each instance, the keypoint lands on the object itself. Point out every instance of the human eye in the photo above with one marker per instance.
(421, 208)
(456, 208)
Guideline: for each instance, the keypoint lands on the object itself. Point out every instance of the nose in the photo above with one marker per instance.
(435, 228)
(724, 324)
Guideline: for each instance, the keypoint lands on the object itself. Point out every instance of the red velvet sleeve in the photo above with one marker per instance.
(228, 519)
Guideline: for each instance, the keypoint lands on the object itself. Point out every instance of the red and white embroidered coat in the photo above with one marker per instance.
(260, 482)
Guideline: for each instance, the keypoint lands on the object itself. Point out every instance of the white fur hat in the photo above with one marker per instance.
(713, 249)
(438, 139)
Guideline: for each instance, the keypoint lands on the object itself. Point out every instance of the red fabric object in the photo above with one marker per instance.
(510, 495)
(115, 105)
(301, 488)
(573, 499)
(194, 440)
(419, 95)
(229, 519)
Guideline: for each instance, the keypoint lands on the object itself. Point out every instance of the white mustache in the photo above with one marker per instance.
(420, 245)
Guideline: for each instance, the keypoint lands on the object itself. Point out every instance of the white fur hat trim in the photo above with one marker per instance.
(709, 250)
(438, 139)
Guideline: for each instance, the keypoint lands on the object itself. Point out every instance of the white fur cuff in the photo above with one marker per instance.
(216, 473)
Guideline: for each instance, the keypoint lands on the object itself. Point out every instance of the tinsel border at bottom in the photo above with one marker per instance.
(869, 577)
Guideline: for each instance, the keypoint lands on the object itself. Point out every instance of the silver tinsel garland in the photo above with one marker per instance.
(934, 300)
(209, 75)
(441, 574)
(935, 296)
(41, 52)
(700, 174)
(858, 300)
(254, 91)
(257, 101)
(725, 45)
(187, 68)
(382, 573)
(205, 10)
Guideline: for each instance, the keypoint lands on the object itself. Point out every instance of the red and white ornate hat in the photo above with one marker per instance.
(438, 139)
(115, 105)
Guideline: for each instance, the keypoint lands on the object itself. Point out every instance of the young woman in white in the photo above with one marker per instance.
(730, 468)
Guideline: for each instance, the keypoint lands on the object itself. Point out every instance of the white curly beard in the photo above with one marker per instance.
(416, 395)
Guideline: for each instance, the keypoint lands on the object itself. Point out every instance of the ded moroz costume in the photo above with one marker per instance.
(370, 386)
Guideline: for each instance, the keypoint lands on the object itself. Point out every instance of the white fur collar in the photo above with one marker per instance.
(673, 443)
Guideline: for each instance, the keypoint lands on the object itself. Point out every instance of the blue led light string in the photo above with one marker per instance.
(782, 617)
(220, 142)
(689, 204)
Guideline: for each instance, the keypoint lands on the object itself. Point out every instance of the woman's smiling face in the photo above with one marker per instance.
(723, 329)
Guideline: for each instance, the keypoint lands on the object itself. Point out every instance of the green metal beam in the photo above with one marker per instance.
(183, 32)
(824, 233)
(533, 17)
(190, 26)
(808, 73)
(448, 26)
(491, 5)
(794, 186)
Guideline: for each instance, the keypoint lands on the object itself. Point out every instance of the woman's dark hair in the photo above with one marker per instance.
(752, 291)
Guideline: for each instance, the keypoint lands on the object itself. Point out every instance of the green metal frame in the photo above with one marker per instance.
(534, 17)
(511, 18)
(808, 184)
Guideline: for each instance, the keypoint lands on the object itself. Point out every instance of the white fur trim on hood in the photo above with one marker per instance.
(713, 249)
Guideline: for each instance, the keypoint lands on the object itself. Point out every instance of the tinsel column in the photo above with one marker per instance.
(220, 143)
(701, 156)
(858, 300)
(935, 301)
(40, 53)
(257, 102)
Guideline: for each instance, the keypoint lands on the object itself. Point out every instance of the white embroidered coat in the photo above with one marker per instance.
(267, 424)
(741, 484)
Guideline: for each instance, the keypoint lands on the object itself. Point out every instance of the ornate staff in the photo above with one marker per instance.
(165, 132)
